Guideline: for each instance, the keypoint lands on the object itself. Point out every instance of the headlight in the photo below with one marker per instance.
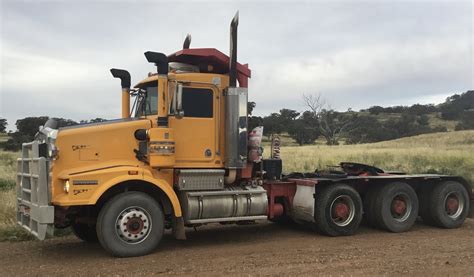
(66, 186)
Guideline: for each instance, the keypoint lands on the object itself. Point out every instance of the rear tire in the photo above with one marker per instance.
(446, 205)
(85, 232)
(338, 210)
(130, 224)
(369, 202)
(395, 207)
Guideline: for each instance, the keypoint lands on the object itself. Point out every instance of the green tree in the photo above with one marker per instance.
(466, 122)
(3, 125)
(28, 127)
(305, 129)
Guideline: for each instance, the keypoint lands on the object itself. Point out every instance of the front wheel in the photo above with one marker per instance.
(338, 210)
(130, 224)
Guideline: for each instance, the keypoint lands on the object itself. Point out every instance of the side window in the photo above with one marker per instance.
(151, 101)
(197, 102)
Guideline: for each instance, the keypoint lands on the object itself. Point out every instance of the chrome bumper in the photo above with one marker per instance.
(33, 193)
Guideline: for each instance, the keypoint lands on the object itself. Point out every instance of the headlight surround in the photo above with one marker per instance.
(51, 135)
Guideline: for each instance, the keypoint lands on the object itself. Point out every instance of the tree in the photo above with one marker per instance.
(455, 105)
(95, 120)
(3, 125)
(332, 125)
(272, 125)
(423, 120)
(304, 130)
(28, 127)
(62, 122)
(466, 122)
(367, 129)
(250, 106)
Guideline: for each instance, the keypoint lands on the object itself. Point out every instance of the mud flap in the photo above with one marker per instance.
(178, 228)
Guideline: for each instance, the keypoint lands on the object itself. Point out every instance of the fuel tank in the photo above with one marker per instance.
(230, 204)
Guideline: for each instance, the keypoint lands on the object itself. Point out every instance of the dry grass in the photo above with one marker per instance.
(8, 229)
(7, 184)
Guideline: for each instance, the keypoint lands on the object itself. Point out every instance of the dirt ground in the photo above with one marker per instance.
(260, 249)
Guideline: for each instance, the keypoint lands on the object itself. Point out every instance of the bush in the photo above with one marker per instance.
(7, 185)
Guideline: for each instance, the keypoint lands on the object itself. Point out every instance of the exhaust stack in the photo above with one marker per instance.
(233, 51)
(187, 41)
(236, 109)
(125, 79)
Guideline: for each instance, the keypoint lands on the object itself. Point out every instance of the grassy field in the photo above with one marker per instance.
(443, 153)
(8, 230)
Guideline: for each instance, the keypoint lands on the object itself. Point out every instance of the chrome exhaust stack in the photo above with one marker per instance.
(236, 109)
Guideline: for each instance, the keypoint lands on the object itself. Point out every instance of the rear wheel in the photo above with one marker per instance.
(130, 224)
(338, 210)
(446, 205)
(395, 207)
(369, 202)
(85, 232)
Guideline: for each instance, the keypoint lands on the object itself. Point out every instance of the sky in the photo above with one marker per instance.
(56, 55)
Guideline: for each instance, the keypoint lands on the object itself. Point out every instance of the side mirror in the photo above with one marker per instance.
(178, 101)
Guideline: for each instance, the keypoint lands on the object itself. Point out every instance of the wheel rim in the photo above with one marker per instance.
(400, 207)
(133, 225)
(342, 210)
(453, 204)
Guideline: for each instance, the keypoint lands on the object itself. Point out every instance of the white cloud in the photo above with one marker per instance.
(55, 55)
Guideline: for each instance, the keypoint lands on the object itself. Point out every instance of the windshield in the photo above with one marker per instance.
(146, 100)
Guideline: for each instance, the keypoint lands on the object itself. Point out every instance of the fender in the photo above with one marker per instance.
(110, 177)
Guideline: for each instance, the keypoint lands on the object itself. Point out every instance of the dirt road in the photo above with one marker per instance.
(261, 249)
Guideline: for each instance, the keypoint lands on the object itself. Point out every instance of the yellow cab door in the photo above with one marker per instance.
(196, 140)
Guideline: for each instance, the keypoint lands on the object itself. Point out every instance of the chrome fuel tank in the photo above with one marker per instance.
(230, 204)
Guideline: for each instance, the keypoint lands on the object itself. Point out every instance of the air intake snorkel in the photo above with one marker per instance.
(125, 79)
(161, 62)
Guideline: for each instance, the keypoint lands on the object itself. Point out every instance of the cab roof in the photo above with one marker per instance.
(209, 60)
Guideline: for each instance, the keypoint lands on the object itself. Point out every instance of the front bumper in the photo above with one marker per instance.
(34, 212)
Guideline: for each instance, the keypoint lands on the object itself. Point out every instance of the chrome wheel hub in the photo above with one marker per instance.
(454, 205)
(401, 207)
(133, 225)
(342, 210)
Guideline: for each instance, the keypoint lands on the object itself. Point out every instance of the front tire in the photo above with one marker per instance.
(338, 210)
(130, 224)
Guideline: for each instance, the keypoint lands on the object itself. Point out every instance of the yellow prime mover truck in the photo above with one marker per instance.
(180, 158)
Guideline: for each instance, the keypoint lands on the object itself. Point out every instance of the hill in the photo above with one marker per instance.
(368, 125)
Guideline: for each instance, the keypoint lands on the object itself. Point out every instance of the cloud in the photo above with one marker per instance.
(55, 55)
